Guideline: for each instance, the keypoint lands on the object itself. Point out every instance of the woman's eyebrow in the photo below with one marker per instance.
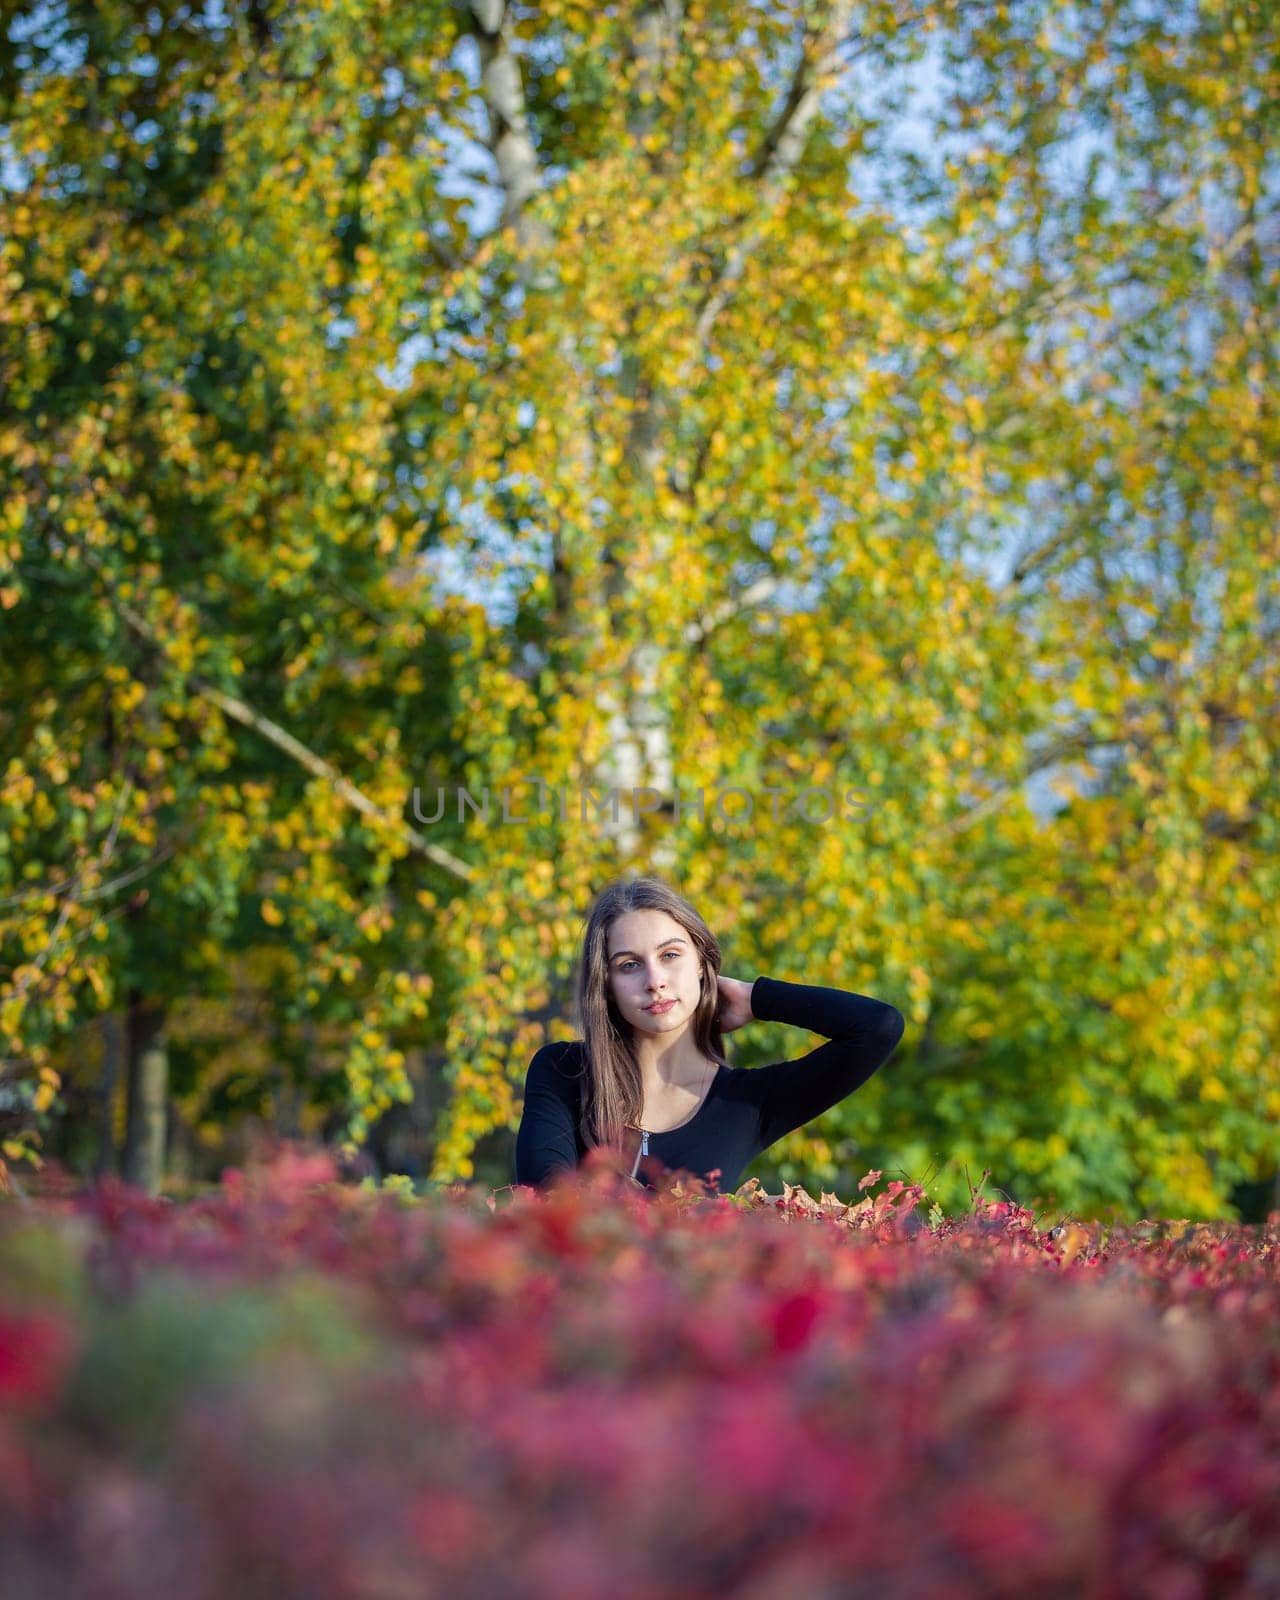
(674, 940)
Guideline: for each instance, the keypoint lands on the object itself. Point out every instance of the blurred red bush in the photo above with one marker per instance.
(294, 1387)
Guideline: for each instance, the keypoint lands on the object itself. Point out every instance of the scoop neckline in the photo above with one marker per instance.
(695, 1113)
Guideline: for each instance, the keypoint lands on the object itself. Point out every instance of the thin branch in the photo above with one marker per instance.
(126, 878)
(34, 968)
(1034, 559)
(780, 153)
(1078, 744)
(316, 765)
(245, 714)
(445, 255)
(755, 594)
(39, 891)
(1068, 290)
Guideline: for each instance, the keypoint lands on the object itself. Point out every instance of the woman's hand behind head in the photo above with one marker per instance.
(735, 1003)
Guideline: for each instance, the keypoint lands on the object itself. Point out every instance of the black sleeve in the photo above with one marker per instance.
(862, 1034)
(546, 1141)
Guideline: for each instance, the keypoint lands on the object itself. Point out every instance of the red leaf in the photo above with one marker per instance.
(34, 1353)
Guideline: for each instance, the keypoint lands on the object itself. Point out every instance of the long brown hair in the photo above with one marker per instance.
(613, 1092)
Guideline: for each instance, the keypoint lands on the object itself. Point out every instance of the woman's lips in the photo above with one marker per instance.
(662, 1005)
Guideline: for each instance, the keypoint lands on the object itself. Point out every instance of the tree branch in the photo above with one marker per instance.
(753, 595)
(32, 970)
(1034, 559)
(510, 133)
(1078, 284)
(1079, 743)
(779, 153)
(245, 714)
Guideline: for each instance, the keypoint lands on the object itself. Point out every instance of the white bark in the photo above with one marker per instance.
(639, 750)
(510, 134)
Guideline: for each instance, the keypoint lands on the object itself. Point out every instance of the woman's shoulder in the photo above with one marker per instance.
(562, 1057)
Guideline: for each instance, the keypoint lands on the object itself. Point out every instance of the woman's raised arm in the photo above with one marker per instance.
(862, 1034)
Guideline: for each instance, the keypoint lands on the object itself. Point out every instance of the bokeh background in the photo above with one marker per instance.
(401, 402)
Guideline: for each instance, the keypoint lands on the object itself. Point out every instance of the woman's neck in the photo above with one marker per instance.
(664, 1064)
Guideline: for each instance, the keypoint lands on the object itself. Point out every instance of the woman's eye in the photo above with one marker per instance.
(627, 965)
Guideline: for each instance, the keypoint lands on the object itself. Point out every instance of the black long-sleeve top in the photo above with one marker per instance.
(745, 1109)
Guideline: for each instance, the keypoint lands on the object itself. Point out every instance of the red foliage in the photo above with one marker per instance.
(601, 1389)
(34, 1353)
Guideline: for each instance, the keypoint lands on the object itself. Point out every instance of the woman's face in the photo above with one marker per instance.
(651, 958)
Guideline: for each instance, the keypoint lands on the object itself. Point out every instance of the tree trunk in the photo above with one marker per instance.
(112, 1050)
(637, 717)
(148, 1090)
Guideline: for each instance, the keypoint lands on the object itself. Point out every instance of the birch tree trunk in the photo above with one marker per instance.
(111, 1030)
(148, 1092)
(636, 768)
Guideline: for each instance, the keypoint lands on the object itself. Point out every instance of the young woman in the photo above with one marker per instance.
(649, 1076)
